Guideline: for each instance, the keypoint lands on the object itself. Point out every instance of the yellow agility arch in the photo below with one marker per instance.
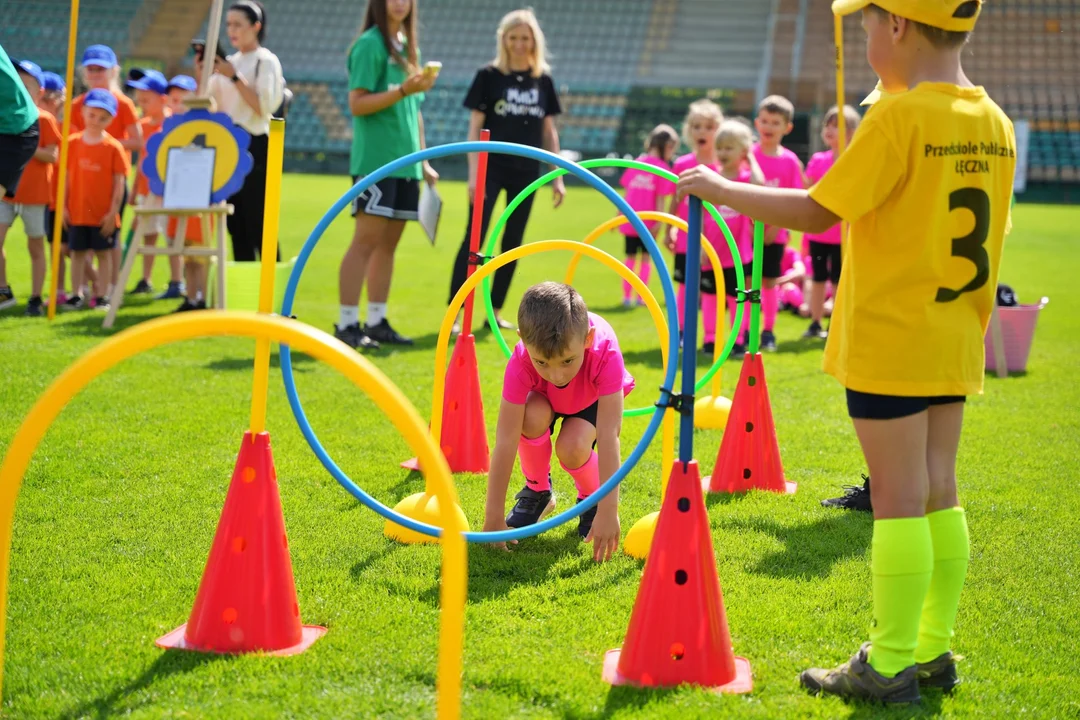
(306, 339)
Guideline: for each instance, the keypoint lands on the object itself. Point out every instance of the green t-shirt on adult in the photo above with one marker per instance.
(389, 134)
(19, 110)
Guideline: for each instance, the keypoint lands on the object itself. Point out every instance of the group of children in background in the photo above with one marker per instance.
(728, 147)
(106, 129)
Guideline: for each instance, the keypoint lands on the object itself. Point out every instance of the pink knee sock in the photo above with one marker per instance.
(586, 477)
(644, 269)
(535, 454)
(680, 304)
(708, 315)
(745, 320)
(627, 290)
(770, 305)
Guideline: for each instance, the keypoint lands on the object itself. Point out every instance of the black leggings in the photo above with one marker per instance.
(249, 203)
(497, 181)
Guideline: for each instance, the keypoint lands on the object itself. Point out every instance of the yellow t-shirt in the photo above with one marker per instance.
(926, 185)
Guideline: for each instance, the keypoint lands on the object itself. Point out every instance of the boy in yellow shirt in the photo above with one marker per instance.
(925, 185)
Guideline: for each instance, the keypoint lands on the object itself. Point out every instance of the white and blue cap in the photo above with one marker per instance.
(32, 69)
(147, 79)
(100, 55)
(184, 82)
(52, 82)
(103, 99)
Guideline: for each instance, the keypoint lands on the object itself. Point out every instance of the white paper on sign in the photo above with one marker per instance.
(430, 210)
(189, 178)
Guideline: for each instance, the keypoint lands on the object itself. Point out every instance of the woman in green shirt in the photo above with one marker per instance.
(386, 87)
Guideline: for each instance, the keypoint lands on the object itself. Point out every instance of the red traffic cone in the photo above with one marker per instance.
(463, 437)
(749, 457)
(678, 630)
(247, 598)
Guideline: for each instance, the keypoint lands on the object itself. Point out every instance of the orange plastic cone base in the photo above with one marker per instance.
(749, 457)
(247, 597)
(678, 631)
(464, 436)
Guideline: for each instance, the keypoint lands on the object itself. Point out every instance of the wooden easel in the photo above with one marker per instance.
(175, 246)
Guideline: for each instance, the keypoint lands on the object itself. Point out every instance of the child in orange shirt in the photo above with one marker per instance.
(97, 167)
(52, 100)
(32, 196)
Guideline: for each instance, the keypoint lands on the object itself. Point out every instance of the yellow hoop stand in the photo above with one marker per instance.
(419, 506)
(367, 377)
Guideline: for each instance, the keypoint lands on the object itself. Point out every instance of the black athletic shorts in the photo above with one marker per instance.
(825, 261)
(394, 198)
(588, 415)
(16, 152)
(707, 282)
(731, 283)
(89, 237)
(634, 245)
(867, 406)
(772, 257)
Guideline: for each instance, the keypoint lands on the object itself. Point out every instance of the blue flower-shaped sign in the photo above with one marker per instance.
(232, 161)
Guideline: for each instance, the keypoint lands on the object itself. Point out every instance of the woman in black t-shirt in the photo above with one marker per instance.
(514, 97)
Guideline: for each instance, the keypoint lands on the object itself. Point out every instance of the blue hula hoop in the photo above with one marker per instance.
(507, 149)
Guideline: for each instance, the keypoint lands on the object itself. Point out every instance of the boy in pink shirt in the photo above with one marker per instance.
(646, 192)
(824, 249)
(567, 366)
(783, 169)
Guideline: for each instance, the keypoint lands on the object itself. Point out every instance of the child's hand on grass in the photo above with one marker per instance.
(497, 524)
(605, 533)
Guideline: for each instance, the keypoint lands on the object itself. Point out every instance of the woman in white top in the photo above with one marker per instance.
(248, 87)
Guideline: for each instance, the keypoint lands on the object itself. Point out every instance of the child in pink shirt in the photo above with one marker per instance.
(782, 168)
(645, 191)
(567, 366)
(824, 249)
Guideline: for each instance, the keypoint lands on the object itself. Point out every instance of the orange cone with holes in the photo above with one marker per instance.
(678, 629)
(749, 457)
(464, 437)
(247, 597)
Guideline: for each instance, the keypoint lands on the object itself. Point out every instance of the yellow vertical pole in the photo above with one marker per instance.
(271, 213)
(61, 180)
(841, 124)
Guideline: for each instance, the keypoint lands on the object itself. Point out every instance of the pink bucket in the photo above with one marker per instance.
(1017, 332)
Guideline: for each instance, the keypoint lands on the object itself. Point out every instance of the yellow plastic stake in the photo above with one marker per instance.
(271, 215)
(61, 179)
(838, 33)
(303, 338)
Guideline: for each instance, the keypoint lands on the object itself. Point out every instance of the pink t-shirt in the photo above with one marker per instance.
(782, 171)
(602, 373)
(709, 229)
(791, 256)
(643, 189)
(815, 170)
(741, 227)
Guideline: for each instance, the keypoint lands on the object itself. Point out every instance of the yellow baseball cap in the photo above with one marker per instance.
(935, 13)
(874, 95)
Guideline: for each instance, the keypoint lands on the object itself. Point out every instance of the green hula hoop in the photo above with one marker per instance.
(496, 230)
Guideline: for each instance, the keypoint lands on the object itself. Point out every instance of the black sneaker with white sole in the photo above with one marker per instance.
(855, 497)
(585, 520)
(384, 334)
(142, 288)
(7, 298)
(75, 302)
(738, 351)
(354, 336)
(35, 307)
(814, 331)
(768, 341)
(530, 507)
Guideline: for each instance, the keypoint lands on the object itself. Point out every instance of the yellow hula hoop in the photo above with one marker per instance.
(306, 339)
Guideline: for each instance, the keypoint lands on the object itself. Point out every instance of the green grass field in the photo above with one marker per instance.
(120, 504)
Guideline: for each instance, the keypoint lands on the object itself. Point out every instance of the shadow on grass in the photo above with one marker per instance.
(800, 346)
(929, 707)
(88, 322)
(245, 363)
(810, 549)
(120, 700)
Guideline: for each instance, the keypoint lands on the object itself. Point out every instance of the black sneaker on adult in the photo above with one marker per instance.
(856, 679)
(768, 341)
(738, 351)
(75, 302)
(531, 506)
(855, 497)
(355, 337)
(7, 298)
(384, 334)
(35, 307)
(814, 331)
(940, 672)
(142, 288)
(585, 520)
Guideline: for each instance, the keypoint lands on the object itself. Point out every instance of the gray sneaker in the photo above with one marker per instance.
(857, 679)
(940, 672)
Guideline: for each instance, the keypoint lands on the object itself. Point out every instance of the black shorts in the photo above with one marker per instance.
(394, 198)
(588, 415)
(825, 261)
(634, 245)
(89, 237)
(15, 153)
(707, 282)
(867, 406)
(731, 283)
(772, 257)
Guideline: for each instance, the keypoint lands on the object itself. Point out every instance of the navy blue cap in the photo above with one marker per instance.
(100, 55)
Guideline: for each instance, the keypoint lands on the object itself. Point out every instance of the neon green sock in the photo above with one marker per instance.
(948, 528)
(902, 562)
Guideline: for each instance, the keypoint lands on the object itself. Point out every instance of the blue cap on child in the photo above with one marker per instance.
(184, 82)
(100, 55)
(30, 68)
(52, 82)
(102, 99)
(146, 79)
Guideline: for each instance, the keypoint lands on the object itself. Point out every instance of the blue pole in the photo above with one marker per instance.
(689, 348)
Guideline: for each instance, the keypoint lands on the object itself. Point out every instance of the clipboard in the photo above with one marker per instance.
(430, 211)
(189, 177)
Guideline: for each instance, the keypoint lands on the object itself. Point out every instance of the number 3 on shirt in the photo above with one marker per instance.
(971, 245)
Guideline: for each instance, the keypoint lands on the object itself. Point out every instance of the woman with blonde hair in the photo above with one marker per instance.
(514, 97)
